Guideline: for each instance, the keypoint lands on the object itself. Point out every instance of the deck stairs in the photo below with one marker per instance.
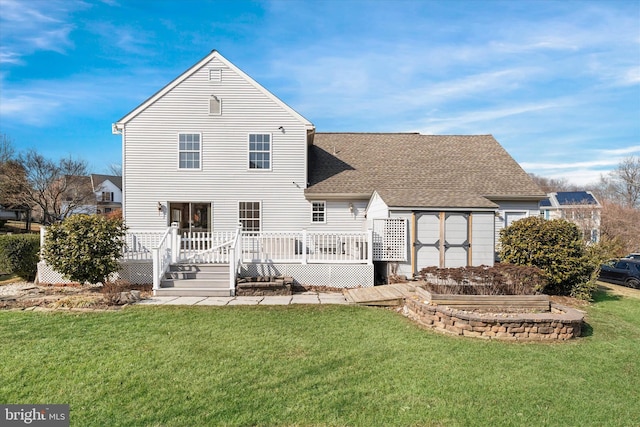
(196, 280)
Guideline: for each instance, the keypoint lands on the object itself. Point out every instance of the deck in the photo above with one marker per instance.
(386, 295)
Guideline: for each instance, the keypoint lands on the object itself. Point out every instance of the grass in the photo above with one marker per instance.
(315, 365)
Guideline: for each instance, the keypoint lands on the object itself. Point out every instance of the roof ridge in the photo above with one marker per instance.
(399, 133)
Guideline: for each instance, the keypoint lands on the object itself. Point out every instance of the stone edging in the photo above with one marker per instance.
(561, 324)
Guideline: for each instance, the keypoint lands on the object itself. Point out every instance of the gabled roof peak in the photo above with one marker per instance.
(119, 125)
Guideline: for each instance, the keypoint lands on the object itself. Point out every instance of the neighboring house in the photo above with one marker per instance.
(580, 207)
(93, 194)
(214, 148)
(8, 213)
(108, 191)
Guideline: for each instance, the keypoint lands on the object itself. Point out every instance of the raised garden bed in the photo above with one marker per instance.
(505, 317)
(494, 303)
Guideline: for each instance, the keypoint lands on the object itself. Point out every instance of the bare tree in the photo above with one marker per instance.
(115, 169)
(622, 185)
(550, 185)
(7, 152)
(620, 223)
(57, 189)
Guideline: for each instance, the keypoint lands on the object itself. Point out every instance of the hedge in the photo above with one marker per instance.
(19, 254)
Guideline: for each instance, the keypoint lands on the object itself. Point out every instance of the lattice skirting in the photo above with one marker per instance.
(136, 272)
(330, 275)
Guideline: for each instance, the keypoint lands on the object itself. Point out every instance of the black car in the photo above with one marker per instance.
(633, 256)
(624, 271)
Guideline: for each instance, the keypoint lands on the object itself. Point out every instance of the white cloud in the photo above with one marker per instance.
(32, 26)
(634, 149)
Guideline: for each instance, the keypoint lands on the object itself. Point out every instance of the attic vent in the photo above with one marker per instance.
(215, 75)
(215, 106)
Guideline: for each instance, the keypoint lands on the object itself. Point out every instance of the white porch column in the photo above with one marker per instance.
(155, 253)
(175, 243)
(370, 246)
(304, 246)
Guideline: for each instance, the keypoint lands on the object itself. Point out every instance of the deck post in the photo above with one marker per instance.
(233, 267)
(43, 230)
(175, 243)
(304, 246)
(156, 269)
(370, 246)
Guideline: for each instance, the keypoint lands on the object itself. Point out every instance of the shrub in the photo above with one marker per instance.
(19, 255)
(501, 279)
(85, 248)
(557, 248)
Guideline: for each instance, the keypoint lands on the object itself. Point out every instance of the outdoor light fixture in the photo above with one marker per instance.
(160, 207)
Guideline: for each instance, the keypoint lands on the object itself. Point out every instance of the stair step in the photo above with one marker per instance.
(193, 292)
(198, 267)
(187, 275)
(195, 283)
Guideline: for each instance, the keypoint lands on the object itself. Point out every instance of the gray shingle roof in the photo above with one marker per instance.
(409, 169)
(99, 179)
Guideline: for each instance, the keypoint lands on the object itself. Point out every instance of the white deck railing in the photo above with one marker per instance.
(139, 244)
(206, 247)
(254, 247)
(307, 247)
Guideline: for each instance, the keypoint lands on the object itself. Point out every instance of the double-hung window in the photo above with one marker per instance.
(189, 151)
(318, 212)
(260, 151)
(249, 215)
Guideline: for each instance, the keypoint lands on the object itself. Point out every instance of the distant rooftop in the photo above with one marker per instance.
(569, 198)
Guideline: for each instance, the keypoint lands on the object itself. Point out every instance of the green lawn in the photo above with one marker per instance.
(315, 365)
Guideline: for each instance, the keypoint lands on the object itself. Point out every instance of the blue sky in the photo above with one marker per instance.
(556, 82)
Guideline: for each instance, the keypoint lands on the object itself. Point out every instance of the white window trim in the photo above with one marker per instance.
(249, 168)
(178, 151)
(526, 212)
(259, 202)
(324, 211)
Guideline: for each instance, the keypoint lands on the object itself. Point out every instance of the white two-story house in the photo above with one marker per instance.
(214, 149)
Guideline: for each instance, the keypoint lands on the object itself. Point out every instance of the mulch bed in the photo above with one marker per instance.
(67, 296)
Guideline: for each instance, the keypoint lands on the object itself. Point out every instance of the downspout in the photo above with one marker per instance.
(413, 243)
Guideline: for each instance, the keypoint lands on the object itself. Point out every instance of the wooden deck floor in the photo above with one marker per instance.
(387, 295)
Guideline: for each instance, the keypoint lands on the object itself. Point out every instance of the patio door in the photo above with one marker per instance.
(191, 216)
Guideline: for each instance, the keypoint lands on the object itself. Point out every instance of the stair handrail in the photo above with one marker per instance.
(163, 253)
(235, 256)
(210, 250)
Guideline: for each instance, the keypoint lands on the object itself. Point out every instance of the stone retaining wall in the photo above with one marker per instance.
(560, 324)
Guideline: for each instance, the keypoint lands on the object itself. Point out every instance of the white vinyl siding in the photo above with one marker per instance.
(150, 156)
(189, 151)
(260, 151)
(318, 212)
